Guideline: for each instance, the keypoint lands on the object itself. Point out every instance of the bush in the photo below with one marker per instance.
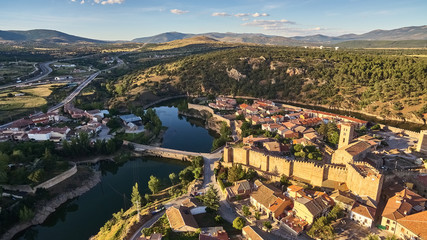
(239, 223)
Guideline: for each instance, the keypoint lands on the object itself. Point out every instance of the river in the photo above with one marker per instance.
(82, 217)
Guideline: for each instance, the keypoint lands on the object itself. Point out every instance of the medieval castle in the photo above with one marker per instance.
(347, 167)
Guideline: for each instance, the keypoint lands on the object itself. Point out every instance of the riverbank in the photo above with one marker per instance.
(45, 208)
(210, 122)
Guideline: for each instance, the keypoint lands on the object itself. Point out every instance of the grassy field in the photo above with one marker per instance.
(10, 71)
(34, 99)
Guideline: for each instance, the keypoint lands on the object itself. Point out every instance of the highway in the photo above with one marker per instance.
(45, 67)
(82, 85)
(45, 70)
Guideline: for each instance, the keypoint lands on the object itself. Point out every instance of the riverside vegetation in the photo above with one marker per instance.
(122, 222)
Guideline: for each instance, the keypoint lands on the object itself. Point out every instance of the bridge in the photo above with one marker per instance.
(173, 153)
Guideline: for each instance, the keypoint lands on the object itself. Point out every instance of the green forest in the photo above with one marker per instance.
(387, 83)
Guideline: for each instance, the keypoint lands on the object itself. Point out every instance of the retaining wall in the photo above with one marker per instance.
(210, 110)
(47, 184)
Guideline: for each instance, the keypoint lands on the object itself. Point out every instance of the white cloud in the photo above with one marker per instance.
(177, 11)
(111, 2)
(242, 14)
(97, 1)
(260, 15)
(82, 2)
(73, 0)
(220, 14)
(270, 24)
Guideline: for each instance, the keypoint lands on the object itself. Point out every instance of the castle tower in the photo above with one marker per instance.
(346, 134)
(422, 142)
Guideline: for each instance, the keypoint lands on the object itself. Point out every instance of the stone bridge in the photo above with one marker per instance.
(173, 153)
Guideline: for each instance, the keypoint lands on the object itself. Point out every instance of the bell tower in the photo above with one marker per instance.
(346, 134)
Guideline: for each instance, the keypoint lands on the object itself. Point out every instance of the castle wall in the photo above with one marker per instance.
(364, 186)
(273, 167)
(279, 166)
(241, 156)
(259, 160)
(308, 171)
(335, 173)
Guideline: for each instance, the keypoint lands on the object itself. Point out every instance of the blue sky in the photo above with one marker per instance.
(128, 19)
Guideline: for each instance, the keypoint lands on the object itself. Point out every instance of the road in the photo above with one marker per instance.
(45, 70)
(208, 178)
(217, 154)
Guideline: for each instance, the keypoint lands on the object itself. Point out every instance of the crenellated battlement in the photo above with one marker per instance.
(358, 179)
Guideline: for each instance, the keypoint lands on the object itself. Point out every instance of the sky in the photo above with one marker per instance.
(129, 19)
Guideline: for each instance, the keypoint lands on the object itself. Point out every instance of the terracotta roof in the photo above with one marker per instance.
(314, 206)
(357, 147)
(416, 223)
(191, 203)
(251, 233)
(363, 210)
(243, 106)
(295, 188)
(180, 217)
(401, 204)
(265, 195)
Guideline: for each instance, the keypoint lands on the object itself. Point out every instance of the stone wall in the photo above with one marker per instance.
(364, 185)
(47, 184)
(164, 154)
(411, 134)
(335, 173)
(310, 172)
(210, 110)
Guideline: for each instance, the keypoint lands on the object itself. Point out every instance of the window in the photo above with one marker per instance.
(388, 221)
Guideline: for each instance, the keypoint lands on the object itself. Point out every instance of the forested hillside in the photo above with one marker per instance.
(387, 83)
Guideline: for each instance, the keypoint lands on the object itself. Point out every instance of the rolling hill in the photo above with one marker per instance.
(396, 35)
(399, 34)
(43, 35)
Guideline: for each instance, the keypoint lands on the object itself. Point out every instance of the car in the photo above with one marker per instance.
(158, 209)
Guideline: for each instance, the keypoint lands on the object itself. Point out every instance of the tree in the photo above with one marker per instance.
(154, 184)
(391, 237)
(372, 237)
(186, 175)
(335, 213)
(4, 161)
(211, 198)
(36, 176)
(173, 178)
(284, 181)
(25, 214)
(236, 173)
(267, 224)
(257, 215)
(246, 211)
(239, 223)
(136, 197)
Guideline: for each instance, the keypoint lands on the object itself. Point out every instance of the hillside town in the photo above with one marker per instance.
(288, 178)
(287, 173)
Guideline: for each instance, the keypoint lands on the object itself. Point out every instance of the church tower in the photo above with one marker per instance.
(346, 134)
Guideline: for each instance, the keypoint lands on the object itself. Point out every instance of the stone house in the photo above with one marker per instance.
(402, 204)
(181, 220)
(269, 200)
(363, 215)
(241, 189)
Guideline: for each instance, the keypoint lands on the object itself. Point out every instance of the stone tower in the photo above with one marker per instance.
(422, 142)
(346, 134)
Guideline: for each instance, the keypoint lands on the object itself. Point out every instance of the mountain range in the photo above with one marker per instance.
(400, 34)
(412, 33)
(44, 36)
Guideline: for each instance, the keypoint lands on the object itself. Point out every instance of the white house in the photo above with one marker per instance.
(39, 134)
(363, 215)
